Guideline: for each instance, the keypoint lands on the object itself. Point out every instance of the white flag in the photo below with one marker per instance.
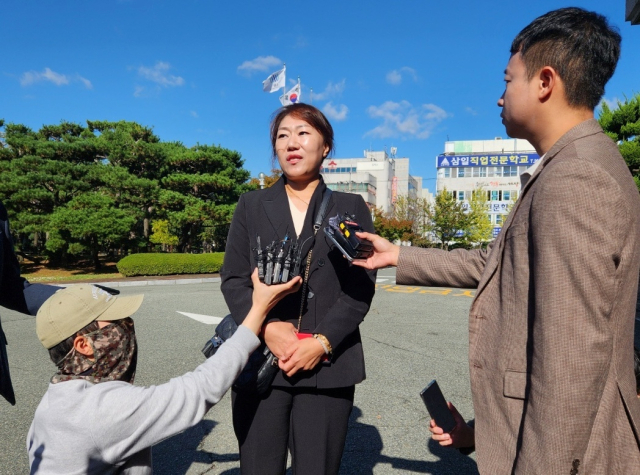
(274, 82)
(291, 97)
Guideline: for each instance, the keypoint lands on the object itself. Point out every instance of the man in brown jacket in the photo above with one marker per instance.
(551, 326)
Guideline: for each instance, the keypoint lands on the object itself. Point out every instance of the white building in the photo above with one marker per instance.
(495, 165)
(378, 178)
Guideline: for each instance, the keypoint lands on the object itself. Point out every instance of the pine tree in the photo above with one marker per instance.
(622, 124)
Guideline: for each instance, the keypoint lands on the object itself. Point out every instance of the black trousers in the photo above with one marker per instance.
(311, 422)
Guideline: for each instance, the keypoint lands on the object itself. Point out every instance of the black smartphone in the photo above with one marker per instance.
(437, 406)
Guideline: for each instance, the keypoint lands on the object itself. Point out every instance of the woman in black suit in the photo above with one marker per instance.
(307, 408)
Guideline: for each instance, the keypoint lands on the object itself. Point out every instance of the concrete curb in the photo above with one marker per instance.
(144, 283)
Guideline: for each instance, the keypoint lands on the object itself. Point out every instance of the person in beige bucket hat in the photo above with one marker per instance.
(70, 310)
(92, 419)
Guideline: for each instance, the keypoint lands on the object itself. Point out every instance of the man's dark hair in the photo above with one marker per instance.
(58, 352)
(580, 45)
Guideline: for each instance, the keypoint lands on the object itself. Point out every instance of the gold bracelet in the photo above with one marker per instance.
(324, 342)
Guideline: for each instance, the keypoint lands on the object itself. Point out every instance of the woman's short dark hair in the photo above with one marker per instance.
(58, 352)
(580, 45)
(311, 115)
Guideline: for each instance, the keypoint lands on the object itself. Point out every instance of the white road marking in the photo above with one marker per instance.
(379, 280)
(206, 319)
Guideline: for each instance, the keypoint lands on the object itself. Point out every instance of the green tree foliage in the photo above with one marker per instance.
(446, 221)
(448, 218)
(479, 228)
(622, 124)
(200, 188)
(57, 181)
(93, 222)
(392, 228)
(161, 234)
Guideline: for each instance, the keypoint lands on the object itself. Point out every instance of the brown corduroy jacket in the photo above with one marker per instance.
(551, 326)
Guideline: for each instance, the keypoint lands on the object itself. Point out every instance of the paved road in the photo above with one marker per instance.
(411, 335)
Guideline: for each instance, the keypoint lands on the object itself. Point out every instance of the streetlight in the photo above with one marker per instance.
(261, 177)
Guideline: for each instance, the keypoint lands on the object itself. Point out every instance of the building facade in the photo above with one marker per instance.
(379, 178)
(495, 165)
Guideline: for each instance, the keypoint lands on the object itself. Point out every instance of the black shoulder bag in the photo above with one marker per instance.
(262, 367)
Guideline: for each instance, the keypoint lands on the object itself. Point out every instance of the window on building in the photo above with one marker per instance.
(483, 171)
(447, 172)
(464, 172)
(454, 173)
(498, 219)
(510, 171)
(506, 195)
(495, 195)
(521, 169)
(494, 171)
(460, 195)
(454, 195)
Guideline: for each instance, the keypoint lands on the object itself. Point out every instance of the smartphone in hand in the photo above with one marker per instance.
(437, 406)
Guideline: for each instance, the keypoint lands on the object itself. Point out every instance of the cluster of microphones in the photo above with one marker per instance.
(281, 261)
(278, 262)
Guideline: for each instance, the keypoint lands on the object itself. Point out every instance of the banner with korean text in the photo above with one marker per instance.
(487, 160)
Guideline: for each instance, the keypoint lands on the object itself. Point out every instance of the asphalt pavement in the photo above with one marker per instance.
(411, 336)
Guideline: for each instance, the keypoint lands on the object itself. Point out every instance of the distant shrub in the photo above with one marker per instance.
(169, 264)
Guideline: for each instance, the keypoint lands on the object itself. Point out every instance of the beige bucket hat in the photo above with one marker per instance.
(70, 310)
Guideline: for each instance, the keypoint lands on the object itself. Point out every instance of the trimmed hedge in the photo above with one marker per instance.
(169, 264)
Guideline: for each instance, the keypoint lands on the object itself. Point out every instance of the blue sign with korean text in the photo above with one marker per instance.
(496, 231)
(487, 160)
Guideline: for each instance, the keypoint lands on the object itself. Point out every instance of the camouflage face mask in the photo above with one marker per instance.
(114, 357)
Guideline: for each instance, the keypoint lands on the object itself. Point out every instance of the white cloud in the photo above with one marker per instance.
(612, 103)
(470, 111)
(401, 119)
(85, 81)
(31, 77)
(301, 42)
(159, 74)
(194, 114)
(332, 90)
(337, 113)
(261, 63)
(395, 76)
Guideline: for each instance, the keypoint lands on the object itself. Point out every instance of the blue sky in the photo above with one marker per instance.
(408, 73)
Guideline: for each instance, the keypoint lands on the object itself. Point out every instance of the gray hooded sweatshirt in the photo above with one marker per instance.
(84, 428)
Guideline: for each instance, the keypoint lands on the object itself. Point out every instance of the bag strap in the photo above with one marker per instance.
(326, 194)
(322, 212)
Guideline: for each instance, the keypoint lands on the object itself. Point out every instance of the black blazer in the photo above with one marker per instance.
(17, 294)
(339, 294)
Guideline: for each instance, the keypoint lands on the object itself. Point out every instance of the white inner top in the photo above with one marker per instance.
(297, 216)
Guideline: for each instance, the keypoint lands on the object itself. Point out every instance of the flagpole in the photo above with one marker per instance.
(299, 89)
(284, 73)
